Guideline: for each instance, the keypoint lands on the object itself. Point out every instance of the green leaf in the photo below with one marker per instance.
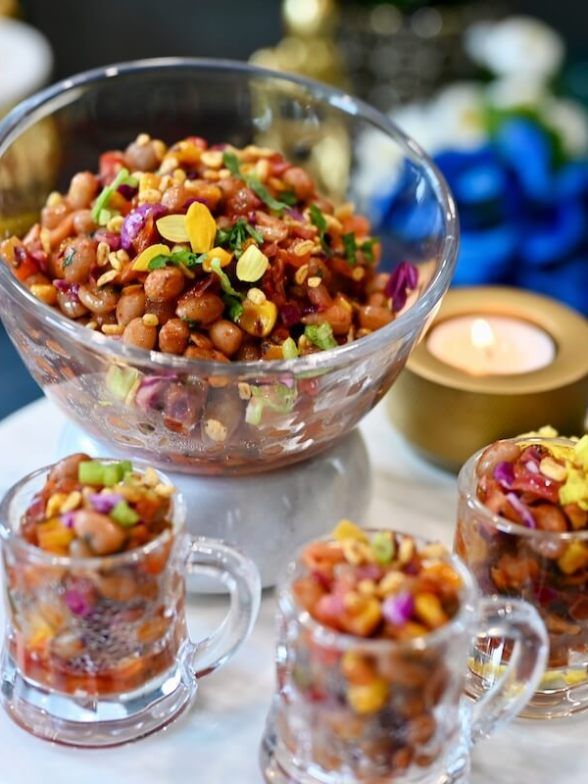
(321, 336)
(236, 236)
(350, 245)
(367, 248)
(289, 349)
(318, 219)
(231, 163)
(101, 203)
(289, 198)
(69, 257)
(234, 307)
(181, 258)
(225, 282)
(260, 190)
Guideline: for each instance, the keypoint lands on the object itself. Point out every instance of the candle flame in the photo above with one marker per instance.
(482, 334)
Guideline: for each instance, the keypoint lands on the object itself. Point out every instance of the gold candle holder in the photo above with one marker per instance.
(447, 413)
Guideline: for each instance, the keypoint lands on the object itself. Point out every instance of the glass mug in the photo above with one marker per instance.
(425, 730)
(96, 650)
(548, 570)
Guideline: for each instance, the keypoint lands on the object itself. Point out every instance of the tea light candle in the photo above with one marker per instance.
(491, 345)
(497, 362)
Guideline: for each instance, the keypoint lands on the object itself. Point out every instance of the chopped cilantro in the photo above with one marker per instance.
(321, 336)
(101, 203)
(289, 198)
(236, 236)
(367, 248)
(231, 162)
(181, 258)
(225, 282)
(318, 219)
(350, 245)
(69, 257)
(234, 307)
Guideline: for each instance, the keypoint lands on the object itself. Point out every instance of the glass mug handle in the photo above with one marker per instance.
(515, 620)
(215, 559)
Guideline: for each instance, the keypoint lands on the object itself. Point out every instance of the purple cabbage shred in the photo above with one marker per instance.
(398, 609)
(522, 510)
(504, 474)
(403, 279)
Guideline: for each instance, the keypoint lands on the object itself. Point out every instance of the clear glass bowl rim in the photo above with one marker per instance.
(8, 536)
(43, 103)
(467, 485)
(330, 638)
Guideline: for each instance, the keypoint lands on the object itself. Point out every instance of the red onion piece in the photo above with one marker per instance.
(522, 510)
(403, 279)
(398, 609)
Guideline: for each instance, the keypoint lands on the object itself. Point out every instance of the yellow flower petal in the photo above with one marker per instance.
(217, 253)
(201, 227)
(252, 264)
(141, 263)
(173, 228)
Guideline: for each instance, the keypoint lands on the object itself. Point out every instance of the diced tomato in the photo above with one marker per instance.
(110, 164)
(538, 485)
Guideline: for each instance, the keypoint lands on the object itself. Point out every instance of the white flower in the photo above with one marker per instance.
(512, 92)
(570, 121)
(456, 118)
(519, 44)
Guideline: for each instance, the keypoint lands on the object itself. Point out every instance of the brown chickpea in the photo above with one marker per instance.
(374, 317)
(175, 197)
(226, 336)
(163, 310)
(200, 340)
(140, 335)
(174, 336)
(164, 284)
(300, 182)
(141, 157)
(208, 354)
(249, 352)
(203, 308)
(82, 189)
(77, 259)
(70, 306)
(130, 305)
(51, 217)
(100, 301)
(67, 469)
(83, 222)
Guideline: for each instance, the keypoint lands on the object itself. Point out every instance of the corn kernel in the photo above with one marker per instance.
(406, 550)
(256, 296)
(148, 182)
(150, 196)
(367, 587)
(369, 697)
(112, 329)
(166, 182)
(186, 152)
(102, 252)
(574, 558)
(115, 224)
(304, 247)
(314, 282)
(552, 469)
(211, 175)
(355, 551)
(215, 430)
(244, 390)
(164, 491)
(223, 256)
(169, 164)
(150, 477)
(301, 274)
(358, 273)
(150, 320)
(142, 139)
(107, 277)
(391, 583)
(262, 169)
(54, 536)
(159, 148)
(114, 262)
(73, 500)
(122, 256)
(428, 608)
(179, 176)
(45, 292)
(258, 319)
(357, 668)
(54, 504)
(345, 210)
(362, 619)
(212, 159)
(345, 529)
(54, 199)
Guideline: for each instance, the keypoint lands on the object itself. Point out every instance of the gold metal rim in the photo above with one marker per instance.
(568, 329)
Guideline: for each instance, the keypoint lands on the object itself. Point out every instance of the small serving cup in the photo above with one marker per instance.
(548, 570)
(425, 730)
(97, 650)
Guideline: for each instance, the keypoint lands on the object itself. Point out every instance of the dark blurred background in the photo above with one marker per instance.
(84, 34)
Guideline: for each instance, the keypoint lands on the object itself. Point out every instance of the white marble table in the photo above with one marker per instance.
(217, 742)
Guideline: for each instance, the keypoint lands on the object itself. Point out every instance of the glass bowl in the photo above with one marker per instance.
(200, 416)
